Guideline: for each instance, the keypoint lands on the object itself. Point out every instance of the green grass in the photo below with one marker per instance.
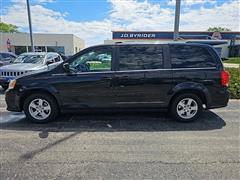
(105, 65)
(233, 60)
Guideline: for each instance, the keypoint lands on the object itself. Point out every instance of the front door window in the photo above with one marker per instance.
(92, 61)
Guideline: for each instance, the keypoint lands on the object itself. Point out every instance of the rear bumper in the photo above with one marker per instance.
(219, 99)
(13, 100)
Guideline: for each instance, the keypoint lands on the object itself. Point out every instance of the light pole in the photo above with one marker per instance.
(30, 25)
(177, 18)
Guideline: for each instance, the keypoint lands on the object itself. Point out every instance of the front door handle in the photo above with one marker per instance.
(123, 77)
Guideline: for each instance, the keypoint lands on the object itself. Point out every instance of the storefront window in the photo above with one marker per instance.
(58, 49)
(40, 49)
(20, 49)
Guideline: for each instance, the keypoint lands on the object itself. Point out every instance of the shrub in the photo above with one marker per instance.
(234, 85)
(233, 60)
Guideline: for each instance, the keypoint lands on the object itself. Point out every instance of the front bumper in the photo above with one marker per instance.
(12, 99)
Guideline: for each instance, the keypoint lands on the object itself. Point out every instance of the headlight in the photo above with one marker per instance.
(12, 84)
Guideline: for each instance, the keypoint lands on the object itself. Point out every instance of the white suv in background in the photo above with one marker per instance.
(28, 63)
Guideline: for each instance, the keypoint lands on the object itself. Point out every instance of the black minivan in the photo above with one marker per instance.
(184, 78)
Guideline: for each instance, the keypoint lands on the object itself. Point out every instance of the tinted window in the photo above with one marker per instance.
(50, 57)
(140, 57)
(95, 60)
(190, 57)
(57, 59)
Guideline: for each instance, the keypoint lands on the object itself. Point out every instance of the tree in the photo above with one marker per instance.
(218, 29)
(4, 27)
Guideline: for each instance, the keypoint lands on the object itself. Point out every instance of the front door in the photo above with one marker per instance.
(90, 82)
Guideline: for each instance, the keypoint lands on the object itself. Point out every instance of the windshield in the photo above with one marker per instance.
(4, 57)
(34, 59)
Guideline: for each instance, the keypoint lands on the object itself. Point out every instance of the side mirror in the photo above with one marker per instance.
(66, 67)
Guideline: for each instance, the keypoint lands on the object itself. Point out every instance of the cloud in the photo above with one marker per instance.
(46, 1)
(134, 15)
(192, 2)
(45, 20)
(226, 15)
(125, 15)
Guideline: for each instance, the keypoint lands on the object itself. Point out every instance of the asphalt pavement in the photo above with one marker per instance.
(136, 145)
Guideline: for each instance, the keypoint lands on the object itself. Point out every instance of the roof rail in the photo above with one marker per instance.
(141, 42)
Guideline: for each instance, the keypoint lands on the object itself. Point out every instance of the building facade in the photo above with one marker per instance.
(223, 42)
(18, 43)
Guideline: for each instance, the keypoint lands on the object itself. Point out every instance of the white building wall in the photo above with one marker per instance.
(78, 44)
(69, 41)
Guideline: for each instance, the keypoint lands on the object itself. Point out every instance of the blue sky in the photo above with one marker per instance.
(93, 20)
(84, 10)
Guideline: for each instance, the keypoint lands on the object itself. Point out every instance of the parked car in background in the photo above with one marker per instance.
(182, 78)
(28, 63)
(64, 57)
(6, 58)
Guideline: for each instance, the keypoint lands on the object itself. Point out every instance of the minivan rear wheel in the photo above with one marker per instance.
(186, 107)
(40, 108)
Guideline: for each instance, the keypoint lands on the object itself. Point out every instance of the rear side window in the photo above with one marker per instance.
(190, 57)
(57, 58)
(140, 57)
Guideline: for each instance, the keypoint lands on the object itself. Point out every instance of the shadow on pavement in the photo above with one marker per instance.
(31, 154)
(104, 122)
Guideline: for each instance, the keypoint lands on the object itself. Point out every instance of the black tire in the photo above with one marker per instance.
(51, 102)
(178, 99)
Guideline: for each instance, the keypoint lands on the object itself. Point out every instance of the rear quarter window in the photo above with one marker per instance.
(186, 56)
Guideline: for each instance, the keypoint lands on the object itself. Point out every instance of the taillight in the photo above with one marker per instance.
(224, 78)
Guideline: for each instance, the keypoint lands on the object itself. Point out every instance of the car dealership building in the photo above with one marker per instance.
(18, 43)
(226, 43)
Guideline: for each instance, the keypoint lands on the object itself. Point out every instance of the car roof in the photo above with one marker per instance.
(38, 53)
(34, 53)
(139, 44)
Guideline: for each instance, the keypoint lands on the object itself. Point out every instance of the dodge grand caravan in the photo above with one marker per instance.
(183, 78)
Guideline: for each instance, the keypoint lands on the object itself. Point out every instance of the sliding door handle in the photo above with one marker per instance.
(106, 78)
(122, 77)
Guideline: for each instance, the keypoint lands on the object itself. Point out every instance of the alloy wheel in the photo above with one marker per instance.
(39, 109)
(187, 108)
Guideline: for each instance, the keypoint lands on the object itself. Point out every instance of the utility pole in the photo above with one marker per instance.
(177, 18)
(30, 25)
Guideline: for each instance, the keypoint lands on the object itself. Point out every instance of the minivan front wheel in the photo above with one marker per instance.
(186, 107)
(40, 108)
